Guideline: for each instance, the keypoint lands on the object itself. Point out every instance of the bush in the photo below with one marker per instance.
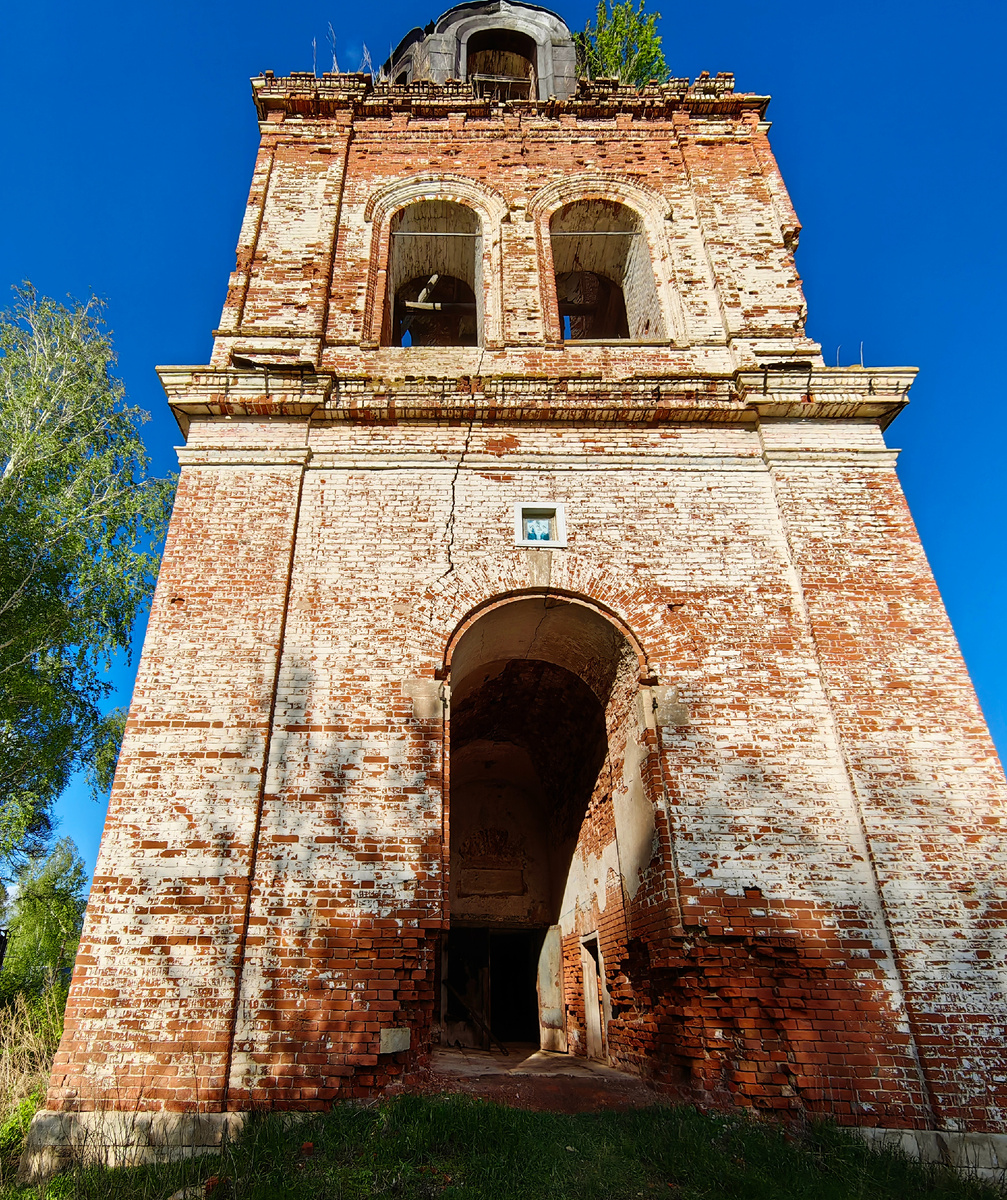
(30, 1030)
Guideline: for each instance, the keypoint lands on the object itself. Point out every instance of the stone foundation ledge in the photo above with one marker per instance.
(58, 1140)
(982, 1154)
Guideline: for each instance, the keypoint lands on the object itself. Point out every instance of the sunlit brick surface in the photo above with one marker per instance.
(791, 856)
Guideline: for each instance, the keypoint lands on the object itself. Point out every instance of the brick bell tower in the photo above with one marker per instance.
(543, 650)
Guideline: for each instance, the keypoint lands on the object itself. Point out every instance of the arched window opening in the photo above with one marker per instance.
(605, 285)
(542, 698)
(434, 276)
(502, 63)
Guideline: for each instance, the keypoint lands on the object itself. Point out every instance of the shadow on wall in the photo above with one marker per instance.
(765, 1003)
(338, 963)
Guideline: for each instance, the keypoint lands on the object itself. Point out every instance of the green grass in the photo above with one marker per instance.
(457, 1148)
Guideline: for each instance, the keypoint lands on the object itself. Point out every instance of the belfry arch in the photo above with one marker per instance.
(435, 275)
(548, 823)
(605, 285)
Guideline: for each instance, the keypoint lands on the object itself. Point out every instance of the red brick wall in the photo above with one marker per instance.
(922, 764)
(718, 221)
(803, 911)
(148, 1018)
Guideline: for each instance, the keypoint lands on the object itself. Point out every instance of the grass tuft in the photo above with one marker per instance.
(460, 1148)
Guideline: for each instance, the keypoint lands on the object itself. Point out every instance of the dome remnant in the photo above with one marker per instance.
(509, 51)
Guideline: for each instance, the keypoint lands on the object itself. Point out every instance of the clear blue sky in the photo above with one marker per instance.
(130, 136)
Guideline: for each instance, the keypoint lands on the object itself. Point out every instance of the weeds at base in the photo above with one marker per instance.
(460, 1148)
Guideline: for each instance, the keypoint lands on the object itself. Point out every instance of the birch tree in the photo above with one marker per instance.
(44, 921)
(80, 524)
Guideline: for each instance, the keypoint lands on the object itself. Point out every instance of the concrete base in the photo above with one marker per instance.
(56, 1141)
(981, 1154)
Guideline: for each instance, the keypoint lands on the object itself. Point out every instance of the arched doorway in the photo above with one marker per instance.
(545, 787)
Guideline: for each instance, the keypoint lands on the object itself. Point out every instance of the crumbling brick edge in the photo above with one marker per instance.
(58, 1140)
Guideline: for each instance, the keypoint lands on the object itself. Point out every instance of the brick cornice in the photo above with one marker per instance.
(782, 391)
(304, 95)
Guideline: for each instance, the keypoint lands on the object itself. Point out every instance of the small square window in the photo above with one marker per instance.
(539, 527)
(539, 524)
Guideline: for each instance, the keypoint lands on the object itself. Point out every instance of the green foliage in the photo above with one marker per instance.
(622, 44)
(44, 921)
(12, 1131)
(459, 1148)
(79, 526)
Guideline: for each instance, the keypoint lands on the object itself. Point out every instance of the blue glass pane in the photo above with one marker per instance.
(538, 529)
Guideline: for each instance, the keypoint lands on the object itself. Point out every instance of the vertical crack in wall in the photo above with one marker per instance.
(449, 528)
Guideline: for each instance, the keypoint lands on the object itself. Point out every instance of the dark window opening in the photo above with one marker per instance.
(591, 306)
(434, 276)
(605, 284)
(501, 64)
(435, 311)
(402, 79)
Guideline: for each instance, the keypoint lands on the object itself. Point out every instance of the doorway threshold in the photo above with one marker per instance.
(467, 1063)
(541, 1080)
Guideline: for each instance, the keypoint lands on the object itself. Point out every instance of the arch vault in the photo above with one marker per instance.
(551, 827)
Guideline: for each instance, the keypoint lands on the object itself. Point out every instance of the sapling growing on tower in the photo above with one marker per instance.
(622, 44)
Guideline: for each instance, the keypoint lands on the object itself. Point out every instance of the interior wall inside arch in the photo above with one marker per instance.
(435, 275)
(549, 628)
(605, 282)
(545, 757)
(527, 745)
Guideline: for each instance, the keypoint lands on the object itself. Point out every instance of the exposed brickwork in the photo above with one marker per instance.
(791, 856)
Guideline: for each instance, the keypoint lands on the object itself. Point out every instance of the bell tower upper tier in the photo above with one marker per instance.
(479, 210)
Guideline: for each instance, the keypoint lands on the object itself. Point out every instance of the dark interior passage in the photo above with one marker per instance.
(528, 740)
(491, 985)
(513, 966)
